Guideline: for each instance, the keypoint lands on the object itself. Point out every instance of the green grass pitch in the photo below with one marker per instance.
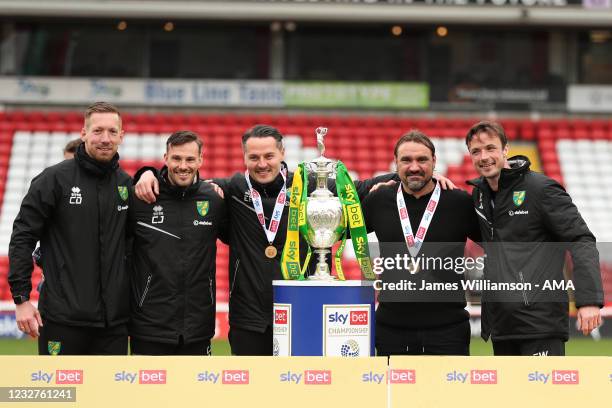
(574, 347)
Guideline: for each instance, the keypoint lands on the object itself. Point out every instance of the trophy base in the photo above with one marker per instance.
(322, 273)
(321, 277)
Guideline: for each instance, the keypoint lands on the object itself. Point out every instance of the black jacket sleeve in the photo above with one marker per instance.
(36, 209)
(223, 183)
(224, 223)
(364, 187)
(562, 218)
(473, 226)
(143, 170)
(367, 206)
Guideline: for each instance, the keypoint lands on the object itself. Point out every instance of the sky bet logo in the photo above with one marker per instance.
(143, 377)
(410, 241)
(61, 377)
(420, 233)
(356, 317)
(475, 376)
(432, 205)
(309, 377)
(280, 317)
(395, 377)
(229, 377)
(563, 377)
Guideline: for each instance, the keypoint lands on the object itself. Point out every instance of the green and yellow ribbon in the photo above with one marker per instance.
(356, 224)
(298, 224)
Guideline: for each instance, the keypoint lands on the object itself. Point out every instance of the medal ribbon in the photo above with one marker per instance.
(278, 207)
(413, 242)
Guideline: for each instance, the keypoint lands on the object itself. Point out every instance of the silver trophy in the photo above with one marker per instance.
(324, 211)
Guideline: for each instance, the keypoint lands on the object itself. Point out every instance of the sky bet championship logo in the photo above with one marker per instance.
(346, 330)
(282, 330)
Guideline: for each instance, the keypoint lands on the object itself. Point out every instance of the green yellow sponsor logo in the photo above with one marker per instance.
(202, 207)
(293, 269)
(123, 192)
(518, 197)
(293, 218)
(54, 347)
(354, 215)
(302, 214)
(366, 265)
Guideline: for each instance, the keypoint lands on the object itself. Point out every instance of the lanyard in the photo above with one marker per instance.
(278, 207)
(413, 242)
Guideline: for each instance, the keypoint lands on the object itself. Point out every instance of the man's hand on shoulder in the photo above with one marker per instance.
(216, 187)
(147, 188)
(390, 183)
(445, 183)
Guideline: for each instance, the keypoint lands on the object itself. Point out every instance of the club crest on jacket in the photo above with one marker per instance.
(518, 197)
(202, 207)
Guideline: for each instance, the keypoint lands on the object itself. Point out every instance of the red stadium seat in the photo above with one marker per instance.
(363, 142)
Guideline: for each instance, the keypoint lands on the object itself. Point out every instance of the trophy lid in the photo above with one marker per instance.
(321, 161)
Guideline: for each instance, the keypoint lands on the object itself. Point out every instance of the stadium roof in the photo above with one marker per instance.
(489, 12)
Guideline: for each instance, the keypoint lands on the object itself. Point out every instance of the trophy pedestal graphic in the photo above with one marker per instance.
(323, 318)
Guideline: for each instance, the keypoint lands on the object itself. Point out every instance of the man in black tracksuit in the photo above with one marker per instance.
(173, 255)
(421, 321)
(528, 222)
(78, 210)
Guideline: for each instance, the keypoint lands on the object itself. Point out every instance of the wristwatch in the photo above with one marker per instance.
(19, 299)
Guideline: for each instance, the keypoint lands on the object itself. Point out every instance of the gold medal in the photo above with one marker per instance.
(271, 251)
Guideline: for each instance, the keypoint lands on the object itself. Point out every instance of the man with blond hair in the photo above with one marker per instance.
(77, 209)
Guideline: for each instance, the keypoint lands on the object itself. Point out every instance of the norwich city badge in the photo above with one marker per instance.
(123, 192)
(54, 347)
(202, 207)
(518, 197)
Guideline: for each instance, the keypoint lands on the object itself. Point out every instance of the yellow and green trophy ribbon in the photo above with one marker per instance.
(290, 258)
(298, 224)
(356, 224)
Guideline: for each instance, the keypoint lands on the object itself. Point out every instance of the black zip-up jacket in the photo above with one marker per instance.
(527, 226)
(453, 222)
(173, 256)
(78, 210)
(251, 272)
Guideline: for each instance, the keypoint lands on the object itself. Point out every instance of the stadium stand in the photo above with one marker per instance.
(577, 153)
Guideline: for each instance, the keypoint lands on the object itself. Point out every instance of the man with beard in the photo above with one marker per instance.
(174, 254)
(528, 222)
(419, 219)
(77, 209)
